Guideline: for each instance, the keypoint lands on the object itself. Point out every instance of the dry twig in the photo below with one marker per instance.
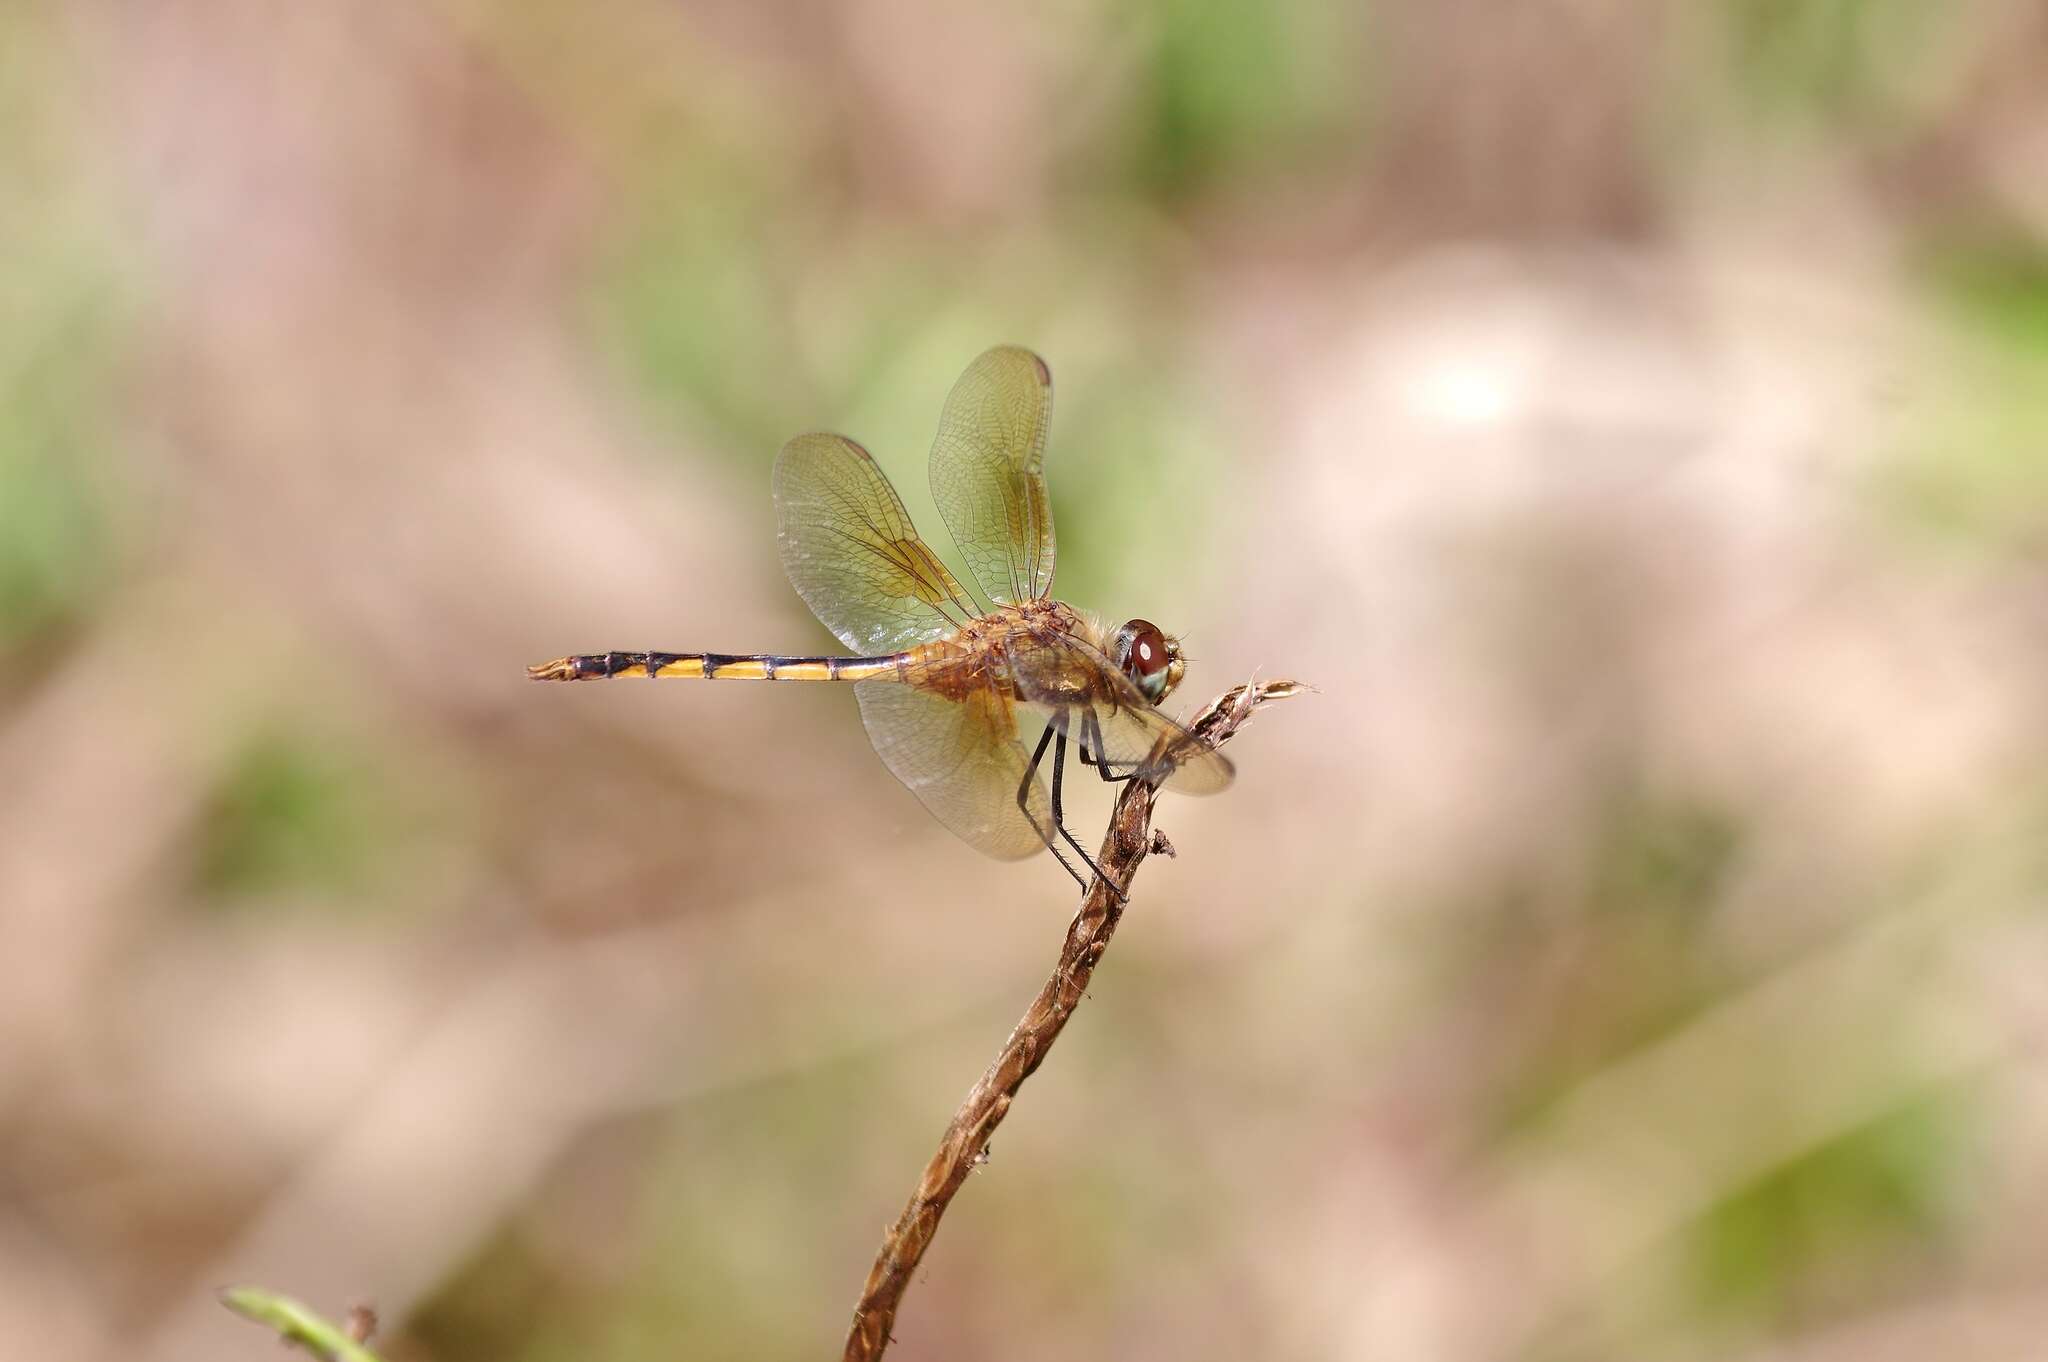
(1129, 840)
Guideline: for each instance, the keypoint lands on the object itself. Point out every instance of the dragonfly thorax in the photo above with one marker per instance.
(1040, 650)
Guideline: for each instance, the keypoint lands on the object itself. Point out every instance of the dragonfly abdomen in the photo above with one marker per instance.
(718, 667)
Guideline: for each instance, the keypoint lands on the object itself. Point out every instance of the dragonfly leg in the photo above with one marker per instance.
(1091, 728)
(1057, 730)
(1024, 803)
(1059, 765)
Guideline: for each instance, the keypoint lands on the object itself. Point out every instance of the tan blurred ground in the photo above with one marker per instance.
(1632, 416)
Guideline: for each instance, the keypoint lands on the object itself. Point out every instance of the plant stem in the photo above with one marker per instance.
(1129, 839)
(297, 1325)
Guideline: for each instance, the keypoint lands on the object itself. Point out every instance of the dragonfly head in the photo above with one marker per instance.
(1150, 657)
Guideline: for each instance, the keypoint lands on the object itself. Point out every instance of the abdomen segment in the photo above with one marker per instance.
(719, 667)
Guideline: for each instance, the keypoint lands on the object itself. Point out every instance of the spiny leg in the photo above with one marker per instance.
(1024, 803)
(1058, 727)
(1045, 739)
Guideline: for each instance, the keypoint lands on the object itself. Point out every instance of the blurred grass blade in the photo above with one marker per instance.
(295, 1324)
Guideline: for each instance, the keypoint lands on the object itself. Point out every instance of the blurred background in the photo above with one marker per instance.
(1632, 416)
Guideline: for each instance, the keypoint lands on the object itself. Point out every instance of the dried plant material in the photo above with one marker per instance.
(964, 1146)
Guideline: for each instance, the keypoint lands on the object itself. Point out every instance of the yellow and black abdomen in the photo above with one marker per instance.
(719, 667)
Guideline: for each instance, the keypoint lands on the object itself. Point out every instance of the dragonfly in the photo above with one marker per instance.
(942, 675)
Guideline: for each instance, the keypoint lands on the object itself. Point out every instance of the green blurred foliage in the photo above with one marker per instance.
(1243, 90)
(508, 1301)
(56, 534)
(1997, 290)
(1821, 1232)
(690, 293)
(700, 1254)
(1655, 872)
(1972, 467)
(62, 295)
(297, 816)
(1843, 62)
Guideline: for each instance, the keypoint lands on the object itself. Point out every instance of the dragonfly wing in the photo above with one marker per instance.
(1141, 738)
(963, 760)
(988, 472)
(1105, 711)
(852, 554)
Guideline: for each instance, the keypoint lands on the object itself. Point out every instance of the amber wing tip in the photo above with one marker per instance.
(561, 669)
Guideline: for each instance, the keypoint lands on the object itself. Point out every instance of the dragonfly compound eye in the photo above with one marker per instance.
(1144, 655)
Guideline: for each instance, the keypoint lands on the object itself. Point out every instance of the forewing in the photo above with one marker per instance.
(988, 472)
(852, 554)
(963, 760)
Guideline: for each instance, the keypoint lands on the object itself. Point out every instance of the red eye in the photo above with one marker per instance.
(1142, 654)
